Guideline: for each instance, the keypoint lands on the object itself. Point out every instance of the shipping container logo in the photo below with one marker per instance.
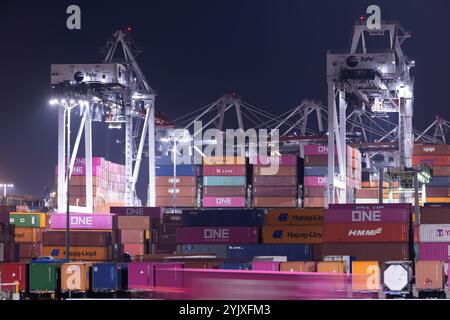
(429, 149)
(55, 253)
(369, 215)
(363, 233)
(283, 217)
(221, 234)
(440, 232)
(277, 234)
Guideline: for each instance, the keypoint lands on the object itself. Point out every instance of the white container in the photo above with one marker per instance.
(434, 233)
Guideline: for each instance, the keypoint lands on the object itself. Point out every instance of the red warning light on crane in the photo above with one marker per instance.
(129, 29)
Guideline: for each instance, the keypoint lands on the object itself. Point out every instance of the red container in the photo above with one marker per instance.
(11, 252)
(439, 251)
(11, 272)
(440, 192)
(265, 266)
(315, 181)
(434, 160)
(366, 232)
(368, 213)
(77, 238)
(140, 276)
(222, 191)
(435, 215)
(275, 202)
(441, 171)
(431, 149)
(188, 202)
(30, 250)
(316, 161)
(314, 192)
(274, 181)
(217, 235)
(182, 181)
(369, 251)
(180, 191)
(132, 236)
(275, 192)
(225, 170)
(169, 275)
(228, 202)
(134, 249)
(284, 160)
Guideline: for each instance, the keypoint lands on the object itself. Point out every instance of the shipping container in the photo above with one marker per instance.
(298, 266)
(441, 171)
(169, 275)
(431, 149)
(283, 160)
(30, 235)
(434, 160)
(182, 181)
(368, 213)
(133, 222)
(366, 232)
(224, 170)
(10, 252)
(4, 213)
(434, 215)
(315, 150)
(220, 250)
(440, 192)
(109, 277)
(317, 252)
(168, 160)
(223, 160)
(439, 181)
(183, 202)
(7, 232)
(434, 233)
(212, 181)
(152, 212)
(235, 266)
(438, 200)
(275, 192)
(293, 252)
(252, 217)
(281, 171)
(274, 202)
(77, 238)
(134, 249)
(315, 202)
(316, 160)
(44, 277)
(224, 202)
(217, 234)
(130, 236)
(380, 251)
(12, 272)
(265, 266)
(27, 220)
(180, 191)
(314, 191)
(331, 267)
(274, 181)
(140, 276)
(82, 221)
(75, 277)
(79, 253)
(430, 275)
(292, 234)
(318, 171)
(366, 276)
(224, 191)
(29, 250)
(295, 217)
(438, 251)
(172, 218)
(315, 181)
(181, 170)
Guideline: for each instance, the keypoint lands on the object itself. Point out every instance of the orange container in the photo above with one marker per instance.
(133, 222)
(79, 253)
(431, 149)
(331, 267)
(275, 202)
(314, 202)
(365, 276)
(75, 277)
(188, 202)
(28, 235)
(282, 171)
(300, 266)
(167, 191)
(295, 217)
(430, 275)
(217, 161)
(438, 199)
(292, 234)
(180, 181)
(134, 249)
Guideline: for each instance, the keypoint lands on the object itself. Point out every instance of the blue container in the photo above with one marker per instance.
(109, 277)
(236, 266)
(218, 181)
(182, 170)
(218, 249)
(245, 218)
(167, 161)
(293, 252)
(318, 171)
(439, 182)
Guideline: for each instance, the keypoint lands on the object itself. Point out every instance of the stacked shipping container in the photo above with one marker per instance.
(224, 182)
(434, 233)
(7, 230)
(275, 187)
(28, 233)
(134, 234)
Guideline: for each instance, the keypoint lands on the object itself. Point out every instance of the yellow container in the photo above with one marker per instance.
(438, 199)
(365, 276)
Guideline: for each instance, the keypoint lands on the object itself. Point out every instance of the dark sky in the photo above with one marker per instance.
(271, 52)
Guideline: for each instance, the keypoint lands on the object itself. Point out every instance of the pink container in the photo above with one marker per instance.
(315, 150)
(79, 167)
(315, 181)
(284, 160)
(367, 213)
(228, 202)
(169, 275)
(439, 251)
(213, 235)
(224, 170)
(371, 205)
(266, 266)
(140, 275)
(82, 221)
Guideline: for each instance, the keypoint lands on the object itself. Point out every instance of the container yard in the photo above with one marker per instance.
(179, 172)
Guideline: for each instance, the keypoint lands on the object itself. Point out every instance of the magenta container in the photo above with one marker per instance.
(265, 266)
(315, 150)
(367, 213)
(141, 275)
(169, 275)
(315, 181)
(228, 202)
(238, 170)
(82, 221)
(438, 251)
(152, 212)
(79, 167)
(217, 235)
(371, 205)
(284, 160)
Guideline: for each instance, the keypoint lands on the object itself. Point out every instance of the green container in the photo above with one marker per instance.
(44, 277)
(219, 181)
(25, 220)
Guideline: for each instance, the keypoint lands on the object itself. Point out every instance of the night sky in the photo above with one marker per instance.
(272, 53)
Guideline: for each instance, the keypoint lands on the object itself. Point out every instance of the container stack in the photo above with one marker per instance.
(437, 157)
(276, 189)
(134, 234)
(91, 237)
(182, 182)
(316, 173)
(108, 184)
(7, 231)
(368, 232)
(434, 233)
(224, 182)
(368, 193)
(29, 227)
(167, 234)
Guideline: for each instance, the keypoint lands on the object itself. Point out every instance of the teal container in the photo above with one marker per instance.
(44, 277)
(218, 181)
